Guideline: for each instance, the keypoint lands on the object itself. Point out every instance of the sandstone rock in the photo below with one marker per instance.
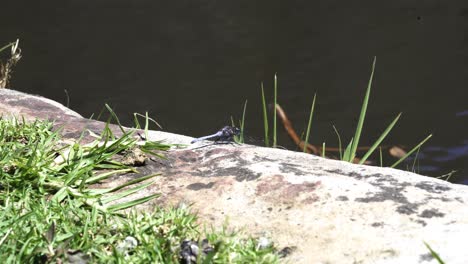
(318, 210)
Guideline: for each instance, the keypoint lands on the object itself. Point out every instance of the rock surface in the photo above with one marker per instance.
(318, 210)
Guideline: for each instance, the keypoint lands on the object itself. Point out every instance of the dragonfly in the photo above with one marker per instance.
(225, 134)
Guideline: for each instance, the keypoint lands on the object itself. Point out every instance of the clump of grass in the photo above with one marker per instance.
(265, 115)
(235, 247)
(351, 150)
(49, 211)
(349, 153)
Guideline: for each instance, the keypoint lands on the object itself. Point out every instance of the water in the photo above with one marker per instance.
(192, 64)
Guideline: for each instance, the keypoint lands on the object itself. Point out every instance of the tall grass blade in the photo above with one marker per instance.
(339, 143)
(242, 124)
(309, 124)
(411, 152)
(362, 116)
(274, 110)
(265, 118)
(380, 139)
(115, 117)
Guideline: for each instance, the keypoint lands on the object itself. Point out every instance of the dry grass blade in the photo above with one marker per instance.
(6, 69)
(292, 133)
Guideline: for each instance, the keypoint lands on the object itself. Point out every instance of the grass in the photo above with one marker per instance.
(350, 152)
(309, 124)
(50, 212)
(265, 115)
(353, 145)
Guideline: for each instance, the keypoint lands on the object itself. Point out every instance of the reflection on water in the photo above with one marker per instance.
(462, 113)
(445, 154)
(192, 64)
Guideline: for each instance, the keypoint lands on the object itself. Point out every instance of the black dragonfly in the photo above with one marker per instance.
(225, 134)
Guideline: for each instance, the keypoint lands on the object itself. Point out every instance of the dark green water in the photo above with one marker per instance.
(192, 64)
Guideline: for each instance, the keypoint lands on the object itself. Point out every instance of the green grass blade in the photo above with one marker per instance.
(339, 142)
(362, 116)
(323, 150)
(309, 124)
(380, 139)
(414, 161)
(5, 236)
(434, 254)
(136, 122)
(121, 206)
(115, 117)
(240, 137)
(105, 175)
(242, 124)
(265, 118)
(125, 193)
(274, 110)
(60, 195)
(411, 152)
(147, 119)
(146, 124)
(347, 152)
(144, 178)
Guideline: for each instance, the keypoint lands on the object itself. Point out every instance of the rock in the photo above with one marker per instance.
(127, 245)
(318, 210)
(189, 250)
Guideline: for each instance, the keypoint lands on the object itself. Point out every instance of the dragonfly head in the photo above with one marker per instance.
(230, 131)
(236, 131)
